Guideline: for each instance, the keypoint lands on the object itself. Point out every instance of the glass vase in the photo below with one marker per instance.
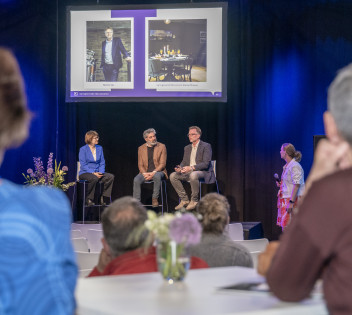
(173, 260)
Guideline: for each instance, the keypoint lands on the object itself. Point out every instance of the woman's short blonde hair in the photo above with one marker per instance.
(14, 115)
(215, 210)
(90, 135)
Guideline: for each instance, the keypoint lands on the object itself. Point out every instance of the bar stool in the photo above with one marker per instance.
(163, 194)
(83, 184)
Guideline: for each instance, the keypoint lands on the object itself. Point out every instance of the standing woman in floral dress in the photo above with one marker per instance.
(291, 184)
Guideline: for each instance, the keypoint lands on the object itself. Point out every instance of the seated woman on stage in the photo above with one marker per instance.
(37, 264)
(92, 168)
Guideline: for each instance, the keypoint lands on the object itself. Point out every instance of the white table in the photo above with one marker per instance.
(199, 294)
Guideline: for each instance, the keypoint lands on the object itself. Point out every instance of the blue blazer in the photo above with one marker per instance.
(88, 164)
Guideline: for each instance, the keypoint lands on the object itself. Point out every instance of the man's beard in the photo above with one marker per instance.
(152, 144)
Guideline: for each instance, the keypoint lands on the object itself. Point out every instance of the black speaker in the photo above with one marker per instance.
(316, 139)
(252, 230)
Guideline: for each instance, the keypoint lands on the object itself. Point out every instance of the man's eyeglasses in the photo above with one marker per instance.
(192, 134)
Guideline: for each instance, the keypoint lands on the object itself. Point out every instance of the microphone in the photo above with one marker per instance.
(276, 176)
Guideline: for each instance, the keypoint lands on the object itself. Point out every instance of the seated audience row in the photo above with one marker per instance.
(125, 248)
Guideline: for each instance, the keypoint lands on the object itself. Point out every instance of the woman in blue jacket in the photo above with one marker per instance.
(92, 168)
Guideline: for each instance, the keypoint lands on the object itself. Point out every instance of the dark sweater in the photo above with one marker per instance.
(318, 244)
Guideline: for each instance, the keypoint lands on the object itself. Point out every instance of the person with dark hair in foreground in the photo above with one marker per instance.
(37, 264)
(216, 248)
(291, 184)
(318, 242)
(125, 250)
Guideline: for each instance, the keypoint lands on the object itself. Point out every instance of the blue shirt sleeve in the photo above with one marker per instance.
(83, 161)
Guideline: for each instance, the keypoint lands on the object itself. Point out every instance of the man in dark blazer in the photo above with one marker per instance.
(151, 165)
(111, 50)
(195, 166)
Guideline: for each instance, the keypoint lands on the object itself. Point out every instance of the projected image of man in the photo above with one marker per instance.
(111, 60)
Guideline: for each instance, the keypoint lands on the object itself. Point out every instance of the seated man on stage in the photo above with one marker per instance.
(151, 164)
(124, 244)
(196, 165)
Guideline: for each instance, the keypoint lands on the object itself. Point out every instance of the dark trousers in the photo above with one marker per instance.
(110, 73)
(107, 180)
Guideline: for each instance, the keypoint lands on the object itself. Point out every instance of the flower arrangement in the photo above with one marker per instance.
(181, 228)
(52, 177)
(174, 233)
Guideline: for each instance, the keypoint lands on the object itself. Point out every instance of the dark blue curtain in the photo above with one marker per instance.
(282, 55)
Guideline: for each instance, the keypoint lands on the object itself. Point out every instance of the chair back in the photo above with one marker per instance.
(150, 68)
(87, 260)
(257, 245)
(189, 64)
(156, 66)
(235, 231)
(80, 244)
(78, 169)
(254, 256)
(94, 240)
(76, 234)
(213, 165)
(85, 227)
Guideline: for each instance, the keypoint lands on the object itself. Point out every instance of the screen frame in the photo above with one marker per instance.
(222, 99)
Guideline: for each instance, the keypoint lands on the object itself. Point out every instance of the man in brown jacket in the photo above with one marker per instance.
(151, 163)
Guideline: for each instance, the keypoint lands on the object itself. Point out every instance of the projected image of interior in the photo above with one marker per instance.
(177, 50)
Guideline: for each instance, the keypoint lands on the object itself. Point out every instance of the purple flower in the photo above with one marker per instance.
(32, 174)
(50, 161)
(39, 169)
(65, 168)
(185, 229)
(29, 171)
(50, 171)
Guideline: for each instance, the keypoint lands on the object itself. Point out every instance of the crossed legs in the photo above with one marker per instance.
(193, 177)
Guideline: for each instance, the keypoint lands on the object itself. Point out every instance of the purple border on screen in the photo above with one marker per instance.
(139, 64)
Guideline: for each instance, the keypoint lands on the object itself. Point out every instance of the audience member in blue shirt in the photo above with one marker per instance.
(37, 264)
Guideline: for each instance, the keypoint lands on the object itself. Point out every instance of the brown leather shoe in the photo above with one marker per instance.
(182, 204)
(155, 203)
(192, 205)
